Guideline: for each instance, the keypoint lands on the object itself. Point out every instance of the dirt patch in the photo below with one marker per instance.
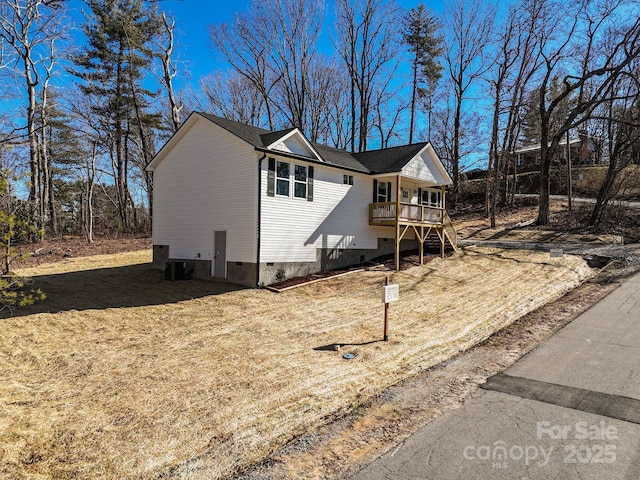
(620, 221)
(386, 264)
(323, 275)
(61, 249)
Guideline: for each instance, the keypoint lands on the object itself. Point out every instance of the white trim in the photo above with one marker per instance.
(434, 160)
(438, 163)
(301, 137)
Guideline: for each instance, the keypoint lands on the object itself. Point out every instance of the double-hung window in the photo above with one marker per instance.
(300, 177)
(383, 192)
(283, 182)
(285, 179)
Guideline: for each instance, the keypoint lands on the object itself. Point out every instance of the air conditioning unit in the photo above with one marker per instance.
(178, 269)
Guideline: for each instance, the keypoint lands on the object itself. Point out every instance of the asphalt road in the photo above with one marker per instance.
(568, 410)
(578, 199)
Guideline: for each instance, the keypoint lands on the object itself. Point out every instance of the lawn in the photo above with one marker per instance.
(121, 374)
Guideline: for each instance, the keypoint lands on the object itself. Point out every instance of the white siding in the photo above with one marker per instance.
(294, 144)
(422, 167)
(206, 182)
(338, 217)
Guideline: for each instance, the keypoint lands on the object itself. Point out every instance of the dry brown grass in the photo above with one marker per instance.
(120, 374)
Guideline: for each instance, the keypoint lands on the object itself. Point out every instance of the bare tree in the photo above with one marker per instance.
(469, 137)
(600, 44)
(326, 100)
(514, 65)
(620, 117)
(292, 53)
(467, 27)
(388, 113)
(273, 45)
(29, 28)
(367, 42)
(46, 202)
(232, 96)
(164, 51)
(243, 49)
(93, 143)
(337, 114)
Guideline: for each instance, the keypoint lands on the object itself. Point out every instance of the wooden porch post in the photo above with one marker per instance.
(442, 238)
(397, 252)
(421, 248)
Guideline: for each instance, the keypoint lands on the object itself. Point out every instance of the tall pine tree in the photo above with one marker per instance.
(112, 65)
(421, 35)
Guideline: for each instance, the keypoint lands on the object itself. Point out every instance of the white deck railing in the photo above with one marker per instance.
(409, 212)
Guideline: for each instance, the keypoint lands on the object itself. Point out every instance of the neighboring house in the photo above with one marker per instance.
(252, 206)
(584, 150)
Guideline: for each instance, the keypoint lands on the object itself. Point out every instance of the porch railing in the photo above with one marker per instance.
(386, 212)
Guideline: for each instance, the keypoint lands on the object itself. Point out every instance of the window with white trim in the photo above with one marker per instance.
(382, 192)
(431, 198)
(300, 181)
(283, 182)
(347, 179)
(286, 179)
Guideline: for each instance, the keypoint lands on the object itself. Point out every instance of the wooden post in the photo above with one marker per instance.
(397, 252)
(421, 243)
(569, 186)
(385, 336)
(442, 192)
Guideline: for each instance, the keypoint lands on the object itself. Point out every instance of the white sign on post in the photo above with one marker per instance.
(390, 293)
(556, 253)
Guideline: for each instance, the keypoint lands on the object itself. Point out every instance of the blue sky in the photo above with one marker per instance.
(192, 17)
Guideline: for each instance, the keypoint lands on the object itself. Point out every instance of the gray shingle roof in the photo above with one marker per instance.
(248, 133)
(340, 158)
(387, 160)
(271, 137)
(384, 160)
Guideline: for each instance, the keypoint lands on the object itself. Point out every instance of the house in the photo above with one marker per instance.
(253, 207)
(584, 150)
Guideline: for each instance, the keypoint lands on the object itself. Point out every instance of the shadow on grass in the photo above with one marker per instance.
(129, 286)
(332, 347)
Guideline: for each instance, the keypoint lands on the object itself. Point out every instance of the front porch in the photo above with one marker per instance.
(417, 208)
(387, 213)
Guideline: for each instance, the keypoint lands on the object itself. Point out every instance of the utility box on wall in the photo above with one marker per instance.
(178, 269)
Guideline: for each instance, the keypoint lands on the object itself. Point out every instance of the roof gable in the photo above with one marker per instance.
(426, 166)
(292, 142)
(175, 138)
(389, 160)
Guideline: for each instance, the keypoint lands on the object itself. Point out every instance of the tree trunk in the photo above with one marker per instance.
(602, 198)
(455, 160)
(545, 163)
(414, 90)
(169, 74)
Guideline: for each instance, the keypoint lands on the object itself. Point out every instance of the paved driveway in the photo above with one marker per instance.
(568, 410)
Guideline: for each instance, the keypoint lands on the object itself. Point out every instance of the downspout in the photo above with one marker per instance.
(264, 155)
